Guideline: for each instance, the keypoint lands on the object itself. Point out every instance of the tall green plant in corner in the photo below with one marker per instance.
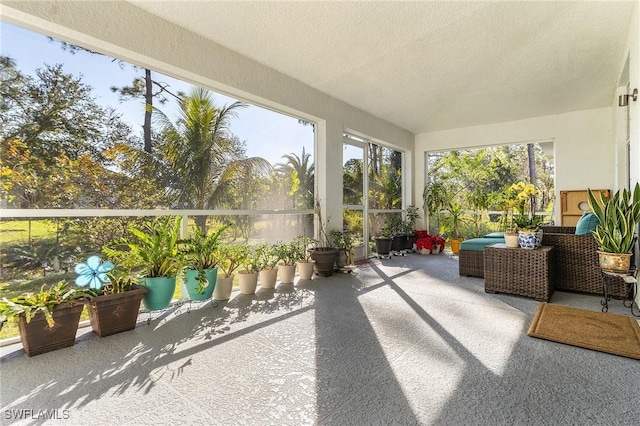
(618, 216)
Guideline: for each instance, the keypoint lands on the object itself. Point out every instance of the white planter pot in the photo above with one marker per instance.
(305, 270)
(287, 273)
(511, 240)
(268, 278)
(223, 288)
(247, 281)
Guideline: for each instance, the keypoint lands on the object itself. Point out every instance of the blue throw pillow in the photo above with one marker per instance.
(587, 223)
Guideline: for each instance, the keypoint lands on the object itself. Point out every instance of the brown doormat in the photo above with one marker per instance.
(611, 333)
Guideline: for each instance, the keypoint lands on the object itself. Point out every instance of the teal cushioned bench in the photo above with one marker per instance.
(478, 244)
(471, 255)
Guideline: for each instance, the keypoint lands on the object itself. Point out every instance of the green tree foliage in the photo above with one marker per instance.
(52, 136)
(385, 178)
(352, 178)
(474, 179)
(141, 87)
(299, 171)
(201, 152)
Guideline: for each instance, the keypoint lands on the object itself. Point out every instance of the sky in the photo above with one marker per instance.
(268, 134)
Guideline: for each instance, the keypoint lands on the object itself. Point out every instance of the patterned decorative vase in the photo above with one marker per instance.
(618, 263)
(530, 239)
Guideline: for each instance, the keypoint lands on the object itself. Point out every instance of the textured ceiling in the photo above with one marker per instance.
(428, 66)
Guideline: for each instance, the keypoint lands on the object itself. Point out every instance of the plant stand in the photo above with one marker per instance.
(631, 299)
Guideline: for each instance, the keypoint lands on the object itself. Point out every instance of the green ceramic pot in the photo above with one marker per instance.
(191, 282)
(160, 292)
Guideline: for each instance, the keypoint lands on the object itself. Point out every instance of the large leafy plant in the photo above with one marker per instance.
(200, 249)
(618, 218)
(150, 250)
(44, 301)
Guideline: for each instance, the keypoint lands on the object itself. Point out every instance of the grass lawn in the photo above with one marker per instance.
(17, 231)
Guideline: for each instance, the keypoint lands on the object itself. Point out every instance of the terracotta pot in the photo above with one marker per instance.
(37, 337)
(114, 313)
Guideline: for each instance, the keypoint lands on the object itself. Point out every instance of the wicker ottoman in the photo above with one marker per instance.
(471, 255)
(518, 271)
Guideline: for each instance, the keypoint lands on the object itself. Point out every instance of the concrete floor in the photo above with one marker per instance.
(402, 341)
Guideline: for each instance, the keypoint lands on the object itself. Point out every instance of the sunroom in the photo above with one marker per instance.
(414, 78)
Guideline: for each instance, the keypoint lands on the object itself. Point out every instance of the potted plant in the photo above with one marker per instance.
(507, 201)
(435, 197)
(116, 302)
(345, 243)
(324, 254)
(527, 222)
(200, 272)
(398, 234)
(248, 273)
(383, 241)
(615, 234)
(288, 255)
(47, 320)
(305, 247)
(152, 252)
(454, 220)
(229, 259)
(267, 264)
(409, 223)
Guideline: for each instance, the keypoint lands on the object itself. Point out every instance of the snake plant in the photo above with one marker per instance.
(618, 217)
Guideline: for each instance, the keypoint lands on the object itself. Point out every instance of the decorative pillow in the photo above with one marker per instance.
(587, 223)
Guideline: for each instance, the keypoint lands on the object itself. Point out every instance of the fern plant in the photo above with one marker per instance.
(618, 217)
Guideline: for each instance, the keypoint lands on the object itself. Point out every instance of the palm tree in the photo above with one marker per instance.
(303, 169)
(201, 151)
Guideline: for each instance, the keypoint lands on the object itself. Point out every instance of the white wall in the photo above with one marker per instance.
(583, 146)
(122, 30)
(633, 48)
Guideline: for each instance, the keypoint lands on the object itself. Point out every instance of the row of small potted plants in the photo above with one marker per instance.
(148, 263)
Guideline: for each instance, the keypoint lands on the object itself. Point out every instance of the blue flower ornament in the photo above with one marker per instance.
(93, 273)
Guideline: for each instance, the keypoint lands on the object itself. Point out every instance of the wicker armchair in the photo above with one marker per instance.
(575, 259)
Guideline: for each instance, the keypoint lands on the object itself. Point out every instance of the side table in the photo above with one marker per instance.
(519, 271)
(631, 299)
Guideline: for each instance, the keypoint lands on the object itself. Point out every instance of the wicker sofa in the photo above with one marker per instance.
(575, 261)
